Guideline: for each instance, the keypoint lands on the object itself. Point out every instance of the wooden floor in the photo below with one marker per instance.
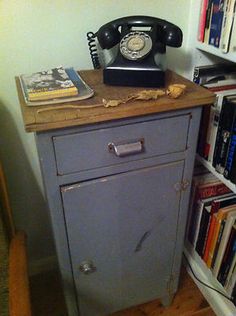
(47, 300)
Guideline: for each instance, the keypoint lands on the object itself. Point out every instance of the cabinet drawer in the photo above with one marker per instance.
(116, 145)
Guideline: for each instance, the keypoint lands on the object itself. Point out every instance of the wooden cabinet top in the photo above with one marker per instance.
(51, 119)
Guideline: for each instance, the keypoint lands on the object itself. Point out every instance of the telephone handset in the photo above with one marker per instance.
(135, 63)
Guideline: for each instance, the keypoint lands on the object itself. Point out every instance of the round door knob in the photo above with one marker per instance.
(87, 267)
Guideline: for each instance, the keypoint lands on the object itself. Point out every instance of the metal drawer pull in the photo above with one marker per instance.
(128, 148)
(87, 267)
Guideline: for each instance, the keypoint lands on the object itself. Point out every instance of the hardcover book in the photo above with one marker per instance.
(230, 168)
(203, 229)
(202, 21)
(228, 257)
(230, 219)
(219, 219)
(214, 123)
(216, 204)
(216, 22)
(232, 45)
(212, 73)
(201, 191)
(231, 277)
(208, 21)
(227, 25)
(223, 135)
(208, 210)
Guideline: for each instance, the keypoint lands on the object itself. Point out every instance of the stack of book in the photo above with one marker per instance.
(217, 138)
(211, 229)
(217, 25)
(56, 85)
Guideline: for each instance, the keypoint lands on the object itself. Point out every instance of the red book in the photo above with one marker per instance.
(212, 189)
(202, 21)
(203, 191)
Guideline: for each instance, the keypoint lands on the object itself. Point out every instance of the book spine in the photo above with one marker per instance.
(212, 190)
(231, 278)
(232, 46)
(202, 20)
(214, 208)
(208, 21)
(230, 10)
(217, 244)
(202, 232)
(214, 22)
(231, 152)
(225, 116)
(219, 24)
(196, 77)
(207, 146)
(203, 132)
(226, 7)
(227, 258)
(193, 233)
(214, 128)
(209, 240)
(223, 243)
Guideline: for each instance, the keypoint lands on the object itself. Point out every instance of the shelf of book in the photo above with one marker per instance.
(215, 51)
(228, 183)
(206, 54)
(220, 305)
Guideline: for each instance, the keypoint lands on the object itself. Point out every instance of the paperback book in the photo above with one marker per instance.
(83, 91)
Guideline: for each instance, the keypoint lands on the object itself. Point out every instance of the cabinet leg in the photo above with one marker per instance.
(167, 300)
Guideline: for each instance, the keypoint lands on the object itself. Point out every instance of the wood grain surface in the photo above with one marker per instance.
(47, 299)
(96, 112)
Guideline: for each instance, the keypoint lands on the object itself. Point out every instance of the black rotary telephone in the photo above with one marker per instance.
(137, 62)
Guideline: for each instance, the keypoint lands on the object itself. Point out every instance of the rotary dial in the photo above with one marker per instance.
(135, 45)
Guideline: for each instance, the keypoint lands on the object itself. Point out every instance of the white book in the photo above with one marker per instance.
(228, 20)
(231, 80)
(224, 240)
(232, 44)
(201, 203)
(211, 132)
(231, 278)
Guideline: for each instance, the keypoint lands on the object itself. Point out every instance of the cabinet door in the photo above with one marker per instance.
(126, 226)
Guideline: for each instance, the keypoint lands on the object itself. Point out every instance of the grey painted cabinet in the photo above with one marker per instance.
(125, 225)
(118, 197)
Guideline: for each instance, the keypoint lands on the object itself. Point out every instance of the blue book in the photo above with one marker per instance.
(216, 22)
(220, 23)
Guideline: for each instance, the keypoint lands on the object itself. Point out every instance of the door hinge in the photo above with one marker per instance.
(181, 186)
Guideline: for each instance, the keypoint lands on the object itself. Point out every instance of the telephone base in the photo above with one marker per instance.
(134, 77)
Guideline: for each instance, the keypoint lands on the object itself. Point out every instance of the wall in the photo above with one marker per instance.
(37, 35)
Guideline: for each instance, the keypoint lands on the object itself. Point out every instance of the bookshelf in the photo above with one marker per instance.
(215, 51)
(205, 163)
(204, 54)
(220, 305)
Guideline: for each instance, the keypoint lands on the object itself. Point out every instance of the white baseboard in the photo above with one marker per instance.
(42, 265)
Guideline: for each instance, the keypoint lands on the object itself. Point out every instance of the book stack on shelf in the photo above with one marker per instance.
(217, 24)
(210, 238)
(211, 229)
(217, 138)
(57, 85)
